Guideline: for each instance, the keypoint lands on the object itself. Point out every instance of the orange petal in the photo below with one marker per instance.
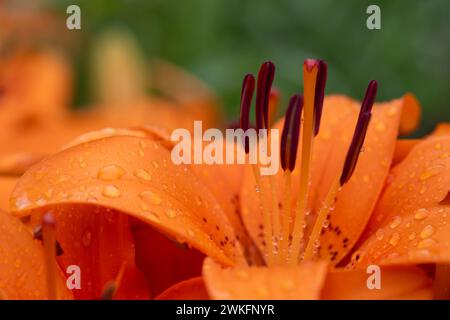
(160, 259)
(442, 130)
(303, 282)
(22, 264)
(192, 289)
(396, 283)
(411, 113)
(135, 176)
(411, 221)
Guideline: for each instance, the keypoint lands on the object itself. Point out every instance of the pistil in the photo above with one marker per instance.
(310, 76)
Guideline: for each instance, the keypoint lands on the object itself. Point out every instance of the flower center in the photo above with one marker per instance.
(284, 227)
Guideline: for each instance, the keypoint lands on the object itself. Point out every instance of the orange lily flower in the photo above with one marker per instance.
(121, 204)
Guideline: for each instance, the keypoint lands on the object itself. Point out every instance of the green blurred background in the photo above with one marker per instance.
(220, 41)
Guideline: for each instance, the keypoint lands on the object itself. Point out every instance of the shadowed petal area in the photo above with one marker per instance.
(22, 273)
(192, 289)
(402, 148)
(134, 176)
(100, 243)
(411, 223)
(396, 283)
(164, 262)
(303, 282)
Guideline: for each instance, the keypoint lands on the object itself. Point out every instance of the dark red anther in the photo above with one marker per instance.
(265, 79)
(360, 133)
(248, 87)
(322, 74)
(291, 132)
(369, 98)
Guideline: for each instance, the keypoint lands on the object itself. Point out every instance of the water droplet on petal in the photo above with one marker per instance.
(142, 174)
(431, 171)
(111, 191)
(395, 238)
(421, 214)
(427, 231)
(379, 234)
(150, 197)
(151, 215)
(111, 172)
(395, 222)
(171, 213)
(426, 243)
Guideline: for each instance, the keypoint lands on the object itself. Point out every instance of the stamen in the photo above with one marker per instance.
(265, 79)
(49, 239)
(288, 156)
(290, 133)
(319, 95)
(248, 86)
(349, 167)
(310, 71)
(360, 133)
